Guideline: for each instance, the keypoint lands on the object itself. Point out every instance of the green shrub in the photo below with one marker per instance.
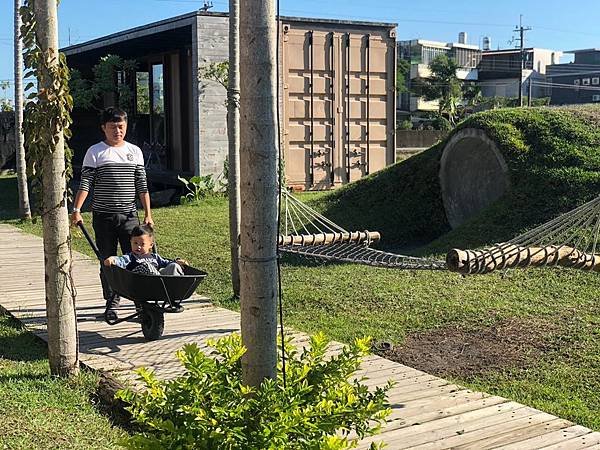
(405, 125)
(209, 407)
(199, 187)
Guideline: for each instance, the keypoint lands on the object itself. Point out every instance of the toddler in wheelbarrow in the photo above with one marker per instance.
(156, 285)
(142, 259)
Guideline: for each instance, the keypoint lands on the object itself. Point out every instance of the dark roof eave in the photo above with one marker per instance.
(121, 36)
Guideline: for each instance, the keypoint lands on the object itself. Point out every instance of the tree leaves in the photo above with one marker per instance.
(210, 407)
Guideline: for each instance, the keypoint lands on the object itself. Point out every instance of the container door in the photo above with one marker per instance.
(309, 107)
(366, 87)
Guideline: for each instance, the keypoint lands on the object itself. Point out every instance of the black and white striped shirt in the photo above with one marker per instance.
(117, 176)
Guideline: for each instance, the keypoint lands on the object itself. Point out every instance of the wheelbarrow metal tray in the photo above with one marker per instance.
(144, 287)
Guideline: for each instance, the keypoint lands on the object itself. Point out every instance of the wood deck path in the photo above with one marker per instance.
(428, 412)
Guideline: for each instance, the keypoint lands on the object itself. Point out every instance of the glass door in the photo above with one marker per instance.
(158, 105)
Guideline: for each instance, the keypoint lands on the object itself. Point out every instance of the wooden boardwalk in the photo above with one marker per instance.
(428, 412)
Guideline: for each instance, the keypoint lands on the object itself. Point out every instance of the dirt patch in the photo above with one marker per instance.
(460, 352)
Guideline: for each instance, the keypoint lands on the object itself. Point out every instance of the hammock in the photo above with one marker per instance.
(570, 240)
(307, 233)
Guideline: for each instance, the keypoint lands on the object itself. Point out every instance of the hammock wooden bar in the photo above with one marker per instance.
(508, 256)
(356, 237)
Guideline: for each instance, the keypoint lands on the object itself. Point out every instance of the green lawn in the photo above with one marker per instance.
(349, 300)
(42, 412)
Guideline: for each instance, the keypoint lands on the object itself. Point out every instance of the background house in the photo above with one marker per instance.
(576, 82)
(500, 72)
(337, 96)
(419, 53)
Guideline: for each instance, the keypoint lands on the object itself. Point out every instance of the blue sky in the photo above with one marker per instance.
(556, 25)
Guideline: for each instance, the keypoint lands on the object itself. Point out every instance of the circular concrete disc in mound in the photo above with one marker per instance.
(473, 174)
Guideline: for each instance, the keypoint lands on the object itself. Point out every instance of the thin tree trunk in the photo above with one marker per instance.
(233, 133)
(258, 175)
(24, 209)
(62, 335)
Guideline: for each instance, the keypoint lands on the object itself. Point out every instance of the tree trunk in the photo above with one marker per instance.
(24, 209)
(233, 134)
(258, 175)
(62, 334)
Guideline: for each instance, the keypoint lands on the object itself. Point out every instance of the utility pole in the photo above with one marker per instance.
(60, 308)
(24, 208)
(529, 91)
(521, 30)
(259, 190)
(233, 133)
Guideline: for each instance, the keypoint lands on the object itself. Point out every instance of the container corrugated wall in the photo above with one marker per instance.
(339, 102)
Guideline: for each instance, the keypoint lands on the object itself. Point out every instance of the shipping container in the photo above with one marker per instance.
(339, 101)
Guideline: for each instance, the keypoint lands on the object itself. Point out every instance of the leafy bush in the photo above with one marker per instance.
(405, 125)
(209, 407)
(199, 187)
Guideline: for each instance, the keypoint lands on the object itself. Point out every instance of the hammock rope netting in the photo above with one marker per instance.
(307, 233)
(570, 240)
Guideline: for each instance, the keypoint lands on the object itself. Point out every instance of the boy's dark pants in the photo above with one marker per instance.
(110, 230)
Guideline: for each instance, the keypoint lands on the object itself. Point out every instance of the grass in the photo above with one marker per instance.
(349, 301)
(555, 164)
(40, 411)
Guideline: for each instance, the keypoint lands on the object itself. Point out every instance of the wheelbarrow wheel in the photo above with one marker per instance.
(153, 323)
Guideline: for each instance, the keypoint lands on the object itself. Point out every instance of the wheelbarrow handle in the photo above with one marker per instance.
(90, 240)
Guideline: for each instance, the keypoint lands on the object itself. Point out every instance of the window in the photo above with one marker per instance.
(596, 80)
(596, 98)
(158, 104)
(121, 78)
(585, 81)
(158, 92)
(142, 92)
(576, 82)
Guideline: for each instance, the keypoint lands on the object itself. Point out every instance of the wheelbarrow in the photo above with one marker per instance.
(152, 295)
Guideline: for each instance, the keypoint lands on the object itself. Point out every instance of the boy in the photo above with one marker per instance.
(142, 259)
(115, 170)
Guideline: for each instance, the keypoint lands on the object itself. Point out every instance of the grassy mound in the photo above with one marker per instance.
(553, 155)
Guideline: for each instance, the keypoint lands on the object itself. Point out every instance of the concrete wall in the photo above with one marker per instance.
(212, 41)
(418, 138)
(473, 174)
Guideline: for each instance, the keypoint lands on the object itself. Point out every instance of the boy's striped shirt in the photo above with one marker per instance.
(117, 176)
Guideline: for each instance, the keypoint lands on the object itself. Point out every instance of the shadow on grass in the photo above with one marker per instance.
(17, 344)
(24, 377)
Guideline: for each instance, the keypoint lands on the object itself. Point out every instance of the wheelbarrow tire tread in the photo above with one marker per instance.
(153, 323)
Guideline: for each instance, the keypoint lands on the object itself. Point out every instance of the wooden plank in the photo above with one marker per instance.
(434, 401)
(560, 437)
(457, 425)
(477, 438)
(434, 415)
(585, 441)
(448, 426)
(524, 433)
